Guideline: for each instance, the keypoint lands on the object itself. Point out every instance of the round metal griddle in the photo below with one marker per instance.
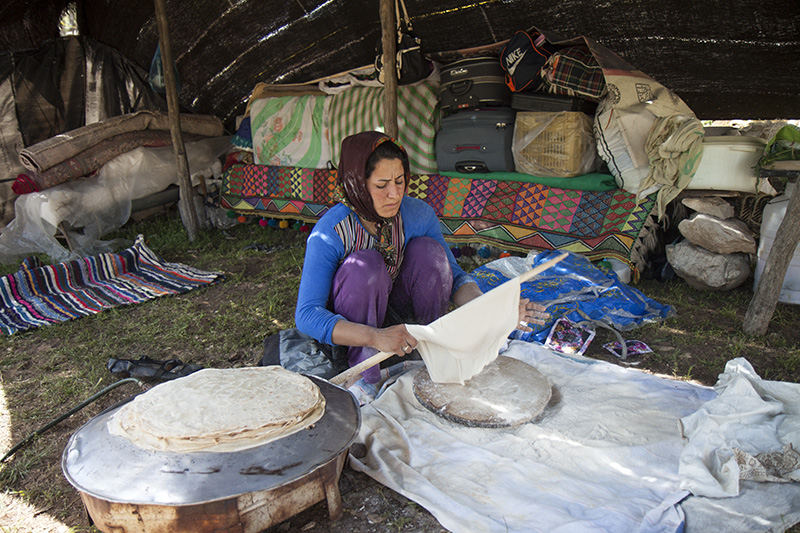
(113, 469)
(506, 393)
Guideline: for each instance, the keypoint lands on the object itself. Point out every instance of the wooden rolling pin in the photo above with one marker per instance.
(382, 356)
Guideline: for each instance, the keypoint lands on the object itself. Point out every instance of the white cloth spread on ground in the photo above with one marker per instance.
(458, 345)
(220, 410)
(602, 457)
(750, 431)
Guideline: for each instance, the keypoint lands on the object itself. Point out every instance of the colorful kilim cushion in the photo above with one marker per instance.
(40, 295)
(515, 216)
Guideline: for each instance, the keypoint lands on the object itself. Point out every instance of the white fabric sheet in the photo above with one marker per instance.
(602, 457)
(749, 414)
(460, 344)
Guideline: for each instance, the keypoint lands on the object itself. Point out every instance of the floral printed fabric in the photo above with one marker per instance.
(307, 131)
(291, 131)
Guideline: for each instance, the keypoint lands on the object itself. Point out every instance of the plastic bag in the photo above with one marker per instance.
(574, 289)
(95, 206)
(783, 146)
(558, 145)
(157, 81)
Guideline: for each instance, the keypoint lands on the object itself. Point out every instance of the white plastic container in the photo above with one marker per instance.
(728, 164)
(771, 220)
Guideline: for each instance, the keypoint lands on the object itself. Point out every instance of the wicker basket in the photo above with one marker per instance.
(557, 145)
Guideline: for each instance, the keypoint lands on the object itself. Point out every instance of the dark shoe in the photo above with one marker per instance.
(148, 369)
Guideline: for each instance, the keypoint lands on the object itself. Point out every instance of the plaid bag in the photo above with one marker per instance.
(573, 71)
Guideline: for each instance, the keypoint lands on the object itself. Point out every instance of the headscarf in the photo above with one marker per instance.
(352, 188)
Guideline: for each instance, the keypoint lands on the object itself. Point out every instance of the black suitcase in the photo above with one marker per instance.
(473, 82)
(476, 140)
(550, 103)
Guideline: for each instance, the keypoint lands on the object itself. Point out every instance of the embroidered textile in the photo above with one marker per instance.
(510, 215)
(355, 237)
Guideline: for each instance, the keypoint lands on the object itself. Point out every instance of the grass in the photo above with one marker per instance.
(51, 369)
(28, 459)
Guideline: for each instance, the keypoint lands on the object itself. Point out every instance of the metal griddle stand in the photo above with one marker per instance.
(129, 489)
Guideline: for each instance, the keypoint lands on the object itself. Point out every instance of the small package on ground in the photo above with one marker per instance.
(568, 337)
(559, 145)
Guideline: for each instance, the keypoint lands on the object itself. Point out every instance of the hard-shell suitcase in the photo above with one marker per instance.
(550, 103)
(473, 82)
(476, 140)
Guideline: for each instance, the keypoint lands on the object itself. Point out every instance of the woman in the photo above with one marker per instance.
(376, 250)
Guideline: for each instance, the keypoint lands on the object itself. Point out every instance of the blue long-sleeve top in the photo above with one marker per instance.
(325, 251)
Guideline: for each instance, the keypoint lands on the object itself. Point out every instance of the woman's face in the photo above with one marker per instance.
(386, 185)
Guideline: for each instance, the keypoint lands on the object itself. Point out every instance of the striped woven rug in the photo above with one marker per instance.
(41, 295)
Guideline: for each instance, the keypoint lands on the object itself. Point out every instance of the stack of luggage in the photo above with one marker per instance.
(530, 110)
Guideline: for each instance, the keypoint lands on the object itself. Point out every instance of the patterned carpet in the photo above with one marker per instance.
(39, 295)
(510, 215)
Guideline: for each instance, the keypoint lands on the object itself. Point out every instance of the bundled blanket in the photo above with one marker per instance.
(89, 160)
(307, 130)
(41, 156)
(499, 211)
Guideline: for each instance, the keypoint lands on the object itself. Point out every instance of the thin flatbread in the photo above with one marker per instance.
(461, 343)
(220, 410)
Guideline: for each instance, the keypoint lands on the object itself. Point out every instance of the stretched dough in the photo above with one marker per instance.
(220, 410)
(461, 343)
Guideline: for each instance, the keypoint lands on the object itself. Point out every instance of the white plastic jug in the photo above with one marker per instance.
(771, 220)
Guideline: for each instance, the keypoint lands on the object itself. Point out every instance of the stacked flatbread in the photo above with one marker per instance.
(220, 410)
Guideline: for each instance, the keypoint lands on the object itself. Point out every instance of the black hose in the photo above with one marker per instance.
(67, 415)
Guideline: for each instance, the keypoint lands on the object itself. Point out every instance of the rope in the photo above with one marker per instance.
(589, 321)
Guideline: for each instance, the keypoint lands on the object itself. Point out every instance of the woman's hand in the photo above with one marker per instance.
(395, 339)
(531, 313)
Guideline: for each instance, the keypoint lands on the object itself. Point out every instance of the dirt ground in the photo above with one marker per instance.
(368, 506)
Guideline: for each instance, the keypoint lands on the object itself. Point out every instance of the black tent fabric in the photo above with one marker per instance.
(68, 82)
(728, 59)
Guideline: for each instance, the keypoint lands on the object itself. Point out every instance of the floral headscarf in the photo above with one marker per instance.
(352, 188)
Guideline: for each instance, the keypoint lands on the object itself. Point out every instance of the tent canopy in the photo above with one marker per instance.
(727, 59)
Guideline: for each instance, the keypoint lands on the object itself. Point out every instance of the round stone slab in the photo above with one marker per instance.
(506, 393)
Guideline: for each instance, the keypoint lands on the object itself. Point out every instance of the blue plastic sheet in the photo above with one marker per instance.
(577, 290)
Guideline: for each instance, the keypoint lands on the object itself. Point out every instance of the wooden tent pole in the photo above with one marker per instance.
(186, 202)
(768, 289)
(389, 47)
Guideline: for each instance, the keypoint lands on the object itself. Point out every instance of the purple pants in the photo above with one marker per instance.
(363, 289)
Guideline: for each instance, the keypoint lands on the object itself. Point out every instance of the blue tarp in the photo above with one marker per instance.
(577, 290)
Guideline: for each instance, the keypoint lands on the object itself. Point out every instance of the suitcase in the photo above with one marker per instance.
(551, 103)
(473, 82)
(476, 141)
